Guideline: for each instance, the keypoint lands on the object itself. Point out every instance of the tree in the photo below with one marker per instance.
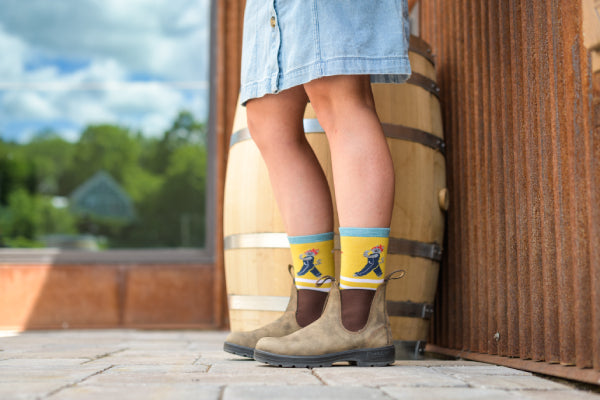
(185, 131)
(174, 215)
(165, 178)
(17, 171)
(27, 217)
(52, 156)
(102, 147)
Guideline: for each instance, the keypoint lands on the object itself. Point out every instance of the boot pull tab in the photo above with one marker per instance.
(324, 279)
(397, 274)
(291, 270)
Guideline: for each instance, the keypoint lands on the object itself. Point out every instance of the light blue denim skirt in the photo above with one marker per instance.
(290, 42)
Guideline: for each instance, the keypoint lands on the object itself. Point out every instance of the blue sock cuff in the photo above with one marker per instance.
(365, 232)
(320, 237)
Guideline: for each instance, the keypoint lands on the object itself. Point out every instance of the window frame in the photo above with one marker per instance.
(185, 255)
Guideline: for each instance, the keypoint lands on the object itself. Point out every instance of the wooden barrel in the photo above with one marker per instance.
(256, 247)
(411, 118)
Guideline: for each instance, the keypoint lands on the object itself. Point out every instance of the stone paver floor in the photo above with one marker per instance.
(131, 364)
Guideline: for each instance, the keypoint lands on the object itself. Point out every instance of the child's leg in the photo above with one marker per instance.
(299, 185)
(364, 186)
(301, 191)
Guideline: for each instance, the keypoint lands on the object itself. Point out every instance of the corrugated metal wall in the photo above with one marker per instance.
(521, 277)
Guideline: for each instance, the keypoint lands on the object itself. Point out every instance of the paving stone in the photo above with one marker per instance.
(220, 355)
(139, 357)
(31, 390)
(89, 353)
(511, 382)
(251, 367)
(124, 361)
(149, 373)
(35, 383)
(124, 364)
(307, 392)
(479, 370)
(439, 363)
(559, 395)
(449, 393)
(259, 375)
(62, 374)
(26, 364)
(141, 390)
(234, 363)
(384, 376)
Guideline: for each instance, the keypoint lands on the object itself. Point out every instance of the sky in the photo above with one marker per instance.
(65, 64)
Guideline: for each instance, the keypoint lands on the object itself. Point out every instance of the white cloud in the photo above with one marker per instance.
(68, 44)
(13, 52)
(134, 33)
(22, 105)
(150, 108)
(101, 70)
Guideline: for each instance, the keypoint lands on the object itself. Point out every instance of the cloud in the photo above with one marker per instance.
(13, 51)
(150, 108)
(23, 105)
(75, 61)
(149, 36)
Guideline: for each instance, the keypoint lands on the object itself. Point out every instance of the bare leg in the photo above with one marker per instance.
(299, 184)
(363, 170)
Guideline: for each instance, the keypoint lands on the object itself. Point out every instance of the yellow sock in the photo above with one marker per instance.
(313, 258)
(364, 251)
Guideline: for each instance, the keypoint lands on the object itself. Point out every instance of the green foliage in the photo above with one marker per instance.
(52, 156)
(22, 217)
(184, 185)
(185, 131)
(27, 217)
(17, 171)
(102, 147)
(165, 178)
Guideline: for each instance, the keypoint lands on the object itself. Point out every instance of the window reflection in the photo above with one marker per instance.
(103, 109)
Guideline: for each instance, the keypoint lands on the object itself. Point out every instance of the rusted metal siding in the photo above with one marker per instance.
(521, 276)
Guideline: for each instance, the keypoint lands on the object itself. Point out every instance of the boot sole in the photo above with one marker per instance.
(238, 350)
(376, 357)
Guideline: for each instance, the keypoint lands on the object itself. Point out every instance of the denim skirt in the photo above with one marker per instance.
(290, 42)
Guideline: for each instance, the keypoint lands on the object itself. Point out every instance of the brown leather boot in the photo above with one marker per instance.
(242, 343)
(326, 340)
(304, 307)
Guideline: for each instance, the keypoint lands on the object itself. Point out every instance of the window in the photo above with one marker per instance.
(103, 124)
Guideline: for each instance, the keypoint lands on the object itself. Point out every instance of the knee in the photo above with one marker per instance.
(261, 131)
(258, 125)
(340, 99)
(273, 135)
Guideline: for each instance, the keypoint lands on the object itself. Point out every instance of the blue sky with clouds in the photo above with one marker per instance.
(69, 63)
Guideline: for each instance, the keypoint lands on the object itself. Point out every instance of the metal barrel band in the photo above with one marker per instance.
(419, 46)
(239, 136)
(402, 132)
(409, 309)
(258, 303)
(393, 131)
(414, 248)
(425, 83)
(406, 247)
(262, 240)
(279, 240)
